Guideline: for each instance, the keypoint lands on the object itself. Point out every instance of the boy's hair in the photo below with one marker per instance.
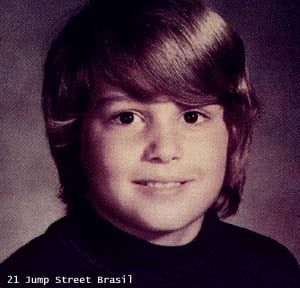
(178, 48)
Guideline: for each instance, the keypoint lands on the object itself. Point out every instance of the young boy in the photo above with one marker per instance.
(149, 115)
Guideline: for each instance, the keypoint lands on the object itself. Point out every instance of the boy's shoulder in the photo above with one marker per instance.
(247, 242)
(253, 255)
(48, 252)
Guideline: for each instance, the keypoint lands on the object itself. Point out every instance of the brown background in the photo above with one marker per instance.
(28, 184)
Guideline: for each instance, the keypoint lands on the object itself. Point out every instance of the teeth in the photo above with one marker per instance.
(161, 185)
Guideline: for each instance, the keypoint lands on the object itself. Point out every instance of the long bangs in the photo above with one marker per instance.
(193, 57)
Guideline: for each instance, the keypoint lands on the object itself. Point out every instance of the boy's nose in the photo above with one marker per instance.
(162, 147)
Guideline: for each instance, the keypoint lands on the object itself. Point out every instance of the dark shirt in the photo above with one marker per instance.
(222, 255)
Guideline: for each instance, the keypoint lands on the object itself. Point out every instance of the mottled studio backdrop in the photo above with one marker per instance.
(28, 184)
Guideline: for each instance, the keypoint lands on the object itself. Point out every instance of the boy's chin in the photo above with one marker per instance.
(167, 230)
(155, 222)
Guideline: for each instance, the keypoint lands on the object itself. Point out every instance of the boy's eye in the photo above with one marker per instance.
(193, 117)
(126, 118)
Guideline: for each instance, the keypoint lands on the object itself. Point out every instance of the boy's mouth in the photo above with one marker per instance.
(161, 184)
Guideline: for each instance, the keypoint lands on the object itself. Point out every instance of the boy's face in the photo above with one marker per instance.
(153, 167)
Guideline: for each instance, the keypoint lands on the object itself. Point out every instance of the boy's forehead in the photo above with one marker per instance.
(139, 84)
(104, 92)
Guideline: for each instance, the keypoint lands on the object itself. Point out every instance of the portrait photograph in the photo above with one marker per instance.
(150, 143)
